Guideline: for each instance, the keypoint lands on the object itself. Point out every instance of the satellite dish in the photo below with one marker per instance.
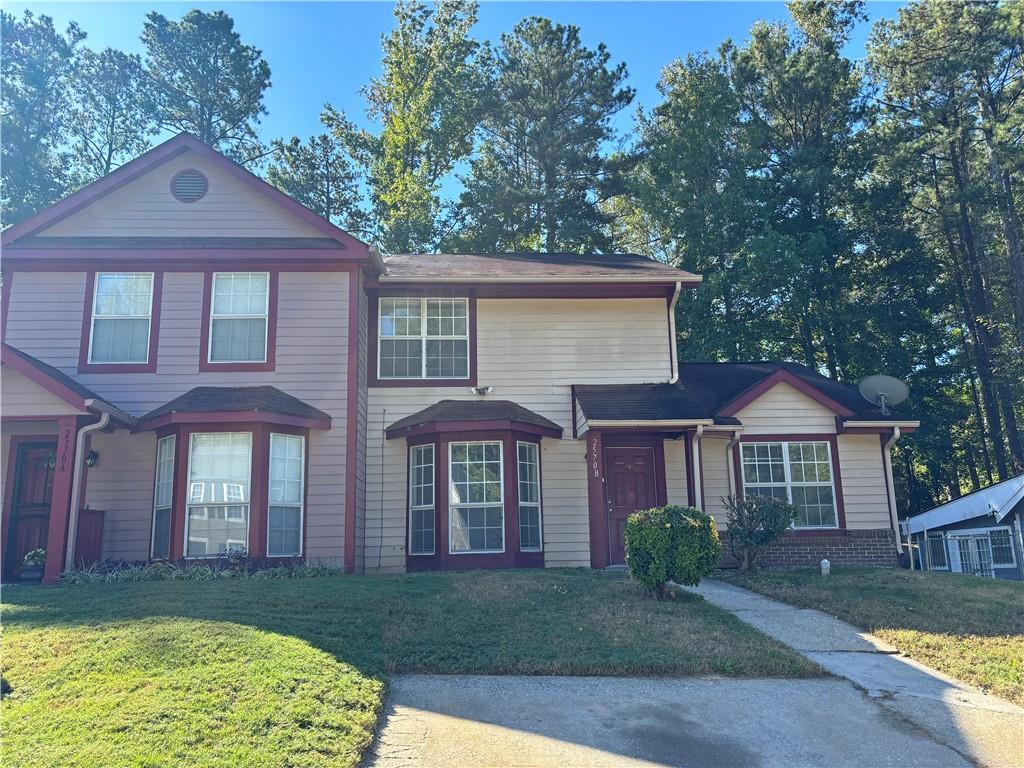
(883, 391)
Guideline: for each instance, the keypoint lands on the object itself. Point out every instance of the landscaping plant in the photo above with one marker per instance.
(673, 543)
(754, 523)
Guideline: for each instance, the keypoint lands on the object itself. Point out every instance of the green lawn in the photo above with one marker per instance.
(292, 672)
(968, 627)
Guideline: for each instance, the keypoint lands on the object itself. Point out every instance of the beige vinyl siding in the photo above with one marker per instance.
(121, 484)
(865, 496)
(715, 457)
(675, 471)
(145, 207)
(530, 351)
(23, 397)
(45, 320)
(784, 409)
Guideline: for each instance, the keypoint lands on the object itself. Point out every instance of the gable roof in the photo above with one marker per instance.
(159, 155)
(454, 415)
(717, 392)
(531, 267)
(263, 403)
(997, 501)
(58, 383)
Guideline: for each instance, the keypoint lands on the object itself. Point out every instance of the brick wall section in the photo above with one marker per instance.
(855, 547)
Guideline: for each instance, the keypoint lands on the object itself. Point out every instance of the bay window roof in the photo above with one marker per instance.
(263, 403)
(474, 415)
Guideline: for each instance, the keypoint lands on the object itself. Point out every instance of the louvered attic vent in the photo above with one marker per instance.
(189, 185)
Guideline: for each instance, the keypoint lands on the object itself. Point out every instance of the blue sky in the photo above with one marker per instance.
(325, 51)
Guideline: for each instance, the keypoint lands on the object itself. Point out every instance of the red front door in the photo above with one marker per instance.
(30, 503)
(630, 483)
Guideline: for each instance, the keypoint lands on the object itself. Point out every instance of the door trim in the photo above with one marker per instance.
(13, 478)
(656, 443)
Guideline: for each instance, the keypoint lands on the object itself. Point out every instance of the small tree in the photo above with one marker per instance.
(671, 543)
(754, 523)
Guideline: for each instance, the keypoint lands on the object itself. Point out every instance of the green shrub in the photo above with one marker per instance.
(754, 523)
(678, 544)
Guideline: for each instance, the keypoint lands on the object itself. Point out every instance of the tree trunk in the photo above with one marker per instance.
(986, 459)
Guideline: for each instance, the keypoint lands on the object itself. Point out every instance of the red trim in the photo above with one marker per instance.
(837, 479)
(56, 540)
(597, 499)
(351, 422)
(84, 366)
(526, 290)
(5, 300)
(51, 385)
(231, 417)
(373, 323)
(158, 156)
(175, 260)
(15, 442)
(511, 557)
(204, 339)
(691, 480)
(738, 403)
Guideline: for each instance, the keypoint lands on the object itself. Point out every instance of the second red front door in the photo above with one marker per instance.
(630, 485)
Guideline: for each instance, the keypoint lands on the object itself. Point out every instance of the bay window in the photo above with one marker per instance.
(287, 479)
(800, 472)
(529, 496)
(476, 511)
(423, 338)
(121, 318)
(421, 500)
(163, 494)
(217, 504)
(239, 312)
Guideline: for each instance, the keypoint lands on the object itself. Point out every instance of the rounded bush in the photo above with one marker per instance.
(672, 543)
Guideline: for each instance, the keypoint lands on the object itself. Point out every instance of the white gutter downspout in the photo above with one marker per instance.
(893, 518)
(729, 447)
(698, 493)
(673, 352)
(76, 481)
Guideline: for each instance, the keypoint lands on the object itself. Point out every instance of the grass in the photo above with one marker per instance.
(292, 672)
(968, 627)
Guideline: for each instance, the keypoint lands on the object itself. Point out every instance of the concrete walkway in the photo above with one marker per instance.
(435, 721)
(984, 728)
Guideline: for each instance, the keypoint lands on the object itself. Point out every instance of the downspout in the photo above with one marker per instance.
(76, 481)
(673, 352)
(729, 447)
(891, 489)
(698, 491)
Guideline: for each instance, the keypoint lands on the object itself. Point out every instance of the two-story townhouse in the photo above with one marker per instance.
(193, 364)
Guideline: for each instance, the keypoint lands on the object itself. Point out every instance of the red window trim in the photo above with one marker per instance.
(84, 366)
(512, 557)
(373, 325)
(837, 478)
(259, 484)
(204, 339)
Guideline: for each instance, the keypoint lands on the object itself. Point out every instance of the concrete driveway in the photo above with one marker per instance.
(576, 722)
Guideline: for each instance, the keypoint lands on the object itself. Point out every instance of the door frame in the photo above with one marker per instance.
(597, 492)
(12, 484)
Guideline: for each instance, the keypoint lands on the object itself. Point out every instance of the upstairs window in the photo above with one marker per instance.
(240, 304)
(423, 338)
(121, 318)
(798, 472)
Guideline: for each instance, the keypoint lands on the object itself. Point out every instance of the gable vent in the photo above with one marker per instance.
(189, 185)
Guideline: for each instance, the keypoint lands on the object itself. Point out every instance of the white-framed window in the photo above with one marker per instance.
(421, 338)
(239, 308)
(217, 512)
(530, 539)
(287, 485)
(122, 310)
(163, 495)
(800, 472)
(422, 533)
(476, 512)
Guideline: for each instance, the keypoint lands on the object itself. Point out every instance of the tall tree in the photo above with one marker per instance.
(36, 68)
(206, 81)
(428, 102)
(541, 173)
(109, 125)
(319, 174)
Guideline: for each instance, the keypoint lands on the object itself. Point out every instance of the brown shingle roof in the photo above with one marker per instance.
(180, 243)
(448, 412)
(531, 267)
(266, 399)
